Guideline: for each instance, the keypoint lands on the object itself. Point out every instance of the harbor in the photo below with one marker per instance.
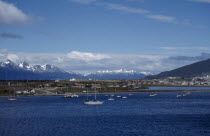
(163, 114)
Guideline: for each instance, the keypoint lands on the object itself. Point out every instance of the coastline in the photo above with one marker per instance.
(120, 92)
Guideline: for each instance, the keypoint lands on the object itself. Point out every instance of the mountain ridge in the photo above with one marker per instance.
(50, 72)
(200, 68)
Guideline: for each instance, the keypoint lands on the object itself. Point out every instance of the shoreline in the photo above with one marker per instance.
(121, 92)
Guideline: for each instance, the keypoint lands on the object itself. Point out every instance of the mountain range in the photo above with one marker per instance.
(198, 69)
(24, 71)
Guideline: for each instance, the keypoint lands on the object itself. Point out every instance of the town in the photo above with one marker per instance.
(60, 87)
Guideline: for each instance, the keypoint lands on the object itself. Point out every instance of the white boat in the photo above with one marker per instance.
(179, 96)
(189, 93)
(184, 95)
(111, 99)
(67, 95)
(74, 95)
(152, 94)
(12, 99)
(118, 96)
(124, 97)
(130, 94)
(70, 95)
(93, 102)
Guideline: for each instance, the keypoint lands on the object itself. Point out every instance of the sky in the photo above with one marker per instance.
(91, 35)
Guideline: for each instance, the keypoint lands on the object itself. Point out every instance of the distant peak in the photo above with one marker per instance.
(147, 73)
(116, 71)
(25, 62)
(8, 61)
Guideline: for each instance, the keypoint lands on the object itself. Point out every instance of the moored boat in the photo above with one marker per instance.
(93, 102)
(152, 94)
(70, 95)
(111, 99)
(12, 99)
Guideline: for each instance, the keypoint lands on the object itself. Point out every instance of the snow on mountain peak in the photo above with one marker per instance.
(147, 73)
(48, 67)
(123, 71)
(23, 64)
(8, 61)
(116, 71)
(44, 67)
(26, 66)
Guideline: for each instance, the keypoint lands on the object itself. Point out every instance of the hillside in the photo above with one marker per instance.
(200, 68)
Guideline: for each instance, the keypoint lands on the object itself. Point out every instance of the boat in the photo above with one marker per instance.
(67, 95)
(12, 99)
(74, 95)
(124, 97)
(70, 95)
(184, 95)
(111, 99)
(93, 102)
(179, 96)
(118, 96)
(130, 94)
(189, 93)
(152, 94)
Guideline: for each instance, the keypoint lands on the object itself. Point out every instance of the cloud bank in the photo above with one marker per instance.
(10, 14)
(86, 62)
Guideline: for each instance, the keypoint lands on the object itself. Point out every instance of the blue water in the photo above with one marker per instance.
(138, 115)
(177, 88)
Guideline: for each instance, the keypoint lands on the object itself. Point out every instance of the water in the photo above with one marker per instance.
(138, 115)
(177, 88)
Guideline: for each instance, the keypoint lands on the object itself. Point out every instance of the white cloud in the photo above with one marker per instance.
(162, 18)
(12, 57)
(186, 48)
(169, 48)
(91, 62)
(86, 56)
(83, 1)
(204, 1)
(146, 13)
(123, 8)
(9, 14)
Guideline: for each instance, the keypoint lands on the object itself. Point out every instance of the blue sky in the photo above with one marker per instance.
(112, 30)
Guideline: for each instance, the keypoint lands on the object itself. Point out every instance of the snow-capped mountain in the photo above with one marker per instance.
(24, 71)
(11, 71)
(8, 64)
(117, 74)
(147, 73)
(24, 65)
(39, 68)
(122, 71)
(51, 68)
